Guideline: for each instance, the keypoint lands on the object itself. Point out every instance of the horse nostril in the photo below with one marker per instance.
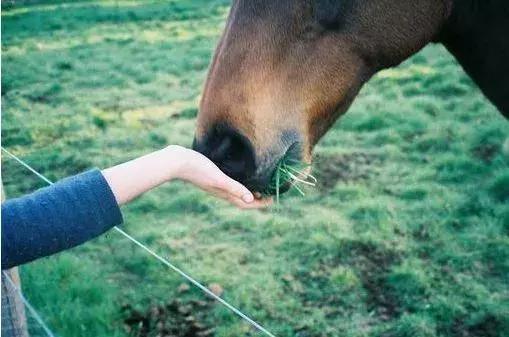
(230, 151)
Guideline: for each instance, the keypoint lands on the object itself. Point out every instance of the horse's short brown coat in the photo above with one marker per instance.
(292, 67)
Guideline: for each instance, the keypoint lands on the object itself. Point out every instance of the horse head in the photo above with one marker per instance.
(285, 70)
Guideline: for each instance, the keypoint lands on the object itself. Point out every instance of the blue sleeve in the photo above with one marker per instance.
(57, 217)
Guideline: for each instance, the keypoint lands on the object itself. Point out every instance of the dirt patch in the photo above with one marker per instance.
(175, 319)
(347, 167)
(488, 326)
(373, 262)
(314, 289)
(486, 152)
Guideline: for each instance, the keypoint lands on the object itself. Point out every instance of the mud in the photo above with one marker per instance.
(345, 168)
(177, 318)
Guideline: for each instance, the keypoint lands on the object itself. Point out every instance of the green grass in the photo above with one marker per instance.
(292, 172)
(405, 234)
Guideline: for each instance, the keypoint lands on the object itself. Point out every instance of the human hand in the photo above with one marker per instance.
(200, 171)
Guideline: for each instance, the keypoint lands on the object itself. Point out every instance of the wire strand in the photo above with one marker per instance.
(160, 258)
(27, 304)
(27, 166)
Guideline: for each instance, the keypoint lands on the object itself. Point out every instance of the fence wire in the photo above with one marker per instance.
(159, 258)
(19, 317)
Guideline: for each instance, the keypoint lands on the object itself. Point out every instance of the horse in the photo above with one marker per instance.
(284, 71)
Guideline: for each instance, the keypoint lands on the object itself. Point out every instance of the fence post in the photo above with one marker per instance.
(14, 323)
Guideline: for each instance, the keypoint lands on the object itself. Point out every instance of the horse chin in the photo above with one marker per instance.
(271, 191)
(283, 188)
(265, 185)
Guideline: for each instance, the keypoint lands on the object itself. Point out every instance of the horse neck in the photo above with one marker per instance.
(477, 34)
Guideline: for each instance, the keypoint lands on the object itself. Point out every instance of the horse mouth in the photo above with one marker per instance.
(287, 172)
(272, 191)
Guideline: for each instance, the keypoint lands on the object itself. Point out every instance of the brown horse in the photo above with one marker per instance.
(285, 70)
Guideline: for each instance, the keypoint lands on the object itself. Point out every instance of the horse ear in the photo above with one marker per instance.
(328, 13)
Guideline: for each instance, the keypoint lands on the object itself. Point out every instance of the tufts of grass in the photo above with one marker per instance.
(293, 172)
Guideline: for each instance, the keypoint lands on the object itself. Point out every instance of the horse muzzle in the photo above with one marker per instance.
(236, 156)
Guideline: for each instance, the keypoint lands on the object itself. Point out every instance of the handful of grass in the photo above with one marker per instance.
(291, 172)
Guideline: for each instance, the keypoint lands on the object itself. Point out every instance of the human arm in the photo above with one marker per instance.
(135, 177)
(82, 207)
(58, 217)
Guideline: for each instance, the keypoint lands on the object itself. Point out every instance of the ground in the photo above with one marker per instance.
(407, 233)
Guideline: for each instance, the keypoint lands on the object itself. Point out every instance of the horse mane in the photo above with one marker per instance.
(465, 14)
(476, 34)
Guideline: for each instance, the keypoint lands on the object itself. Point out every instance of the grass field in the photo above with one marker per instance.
(407, 233)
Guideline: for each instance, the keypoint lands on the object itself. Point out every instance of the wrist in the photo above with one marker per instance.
(173, 161)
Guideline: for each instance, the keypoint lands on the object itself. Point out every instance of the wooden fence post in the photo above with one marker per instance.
(14, 323)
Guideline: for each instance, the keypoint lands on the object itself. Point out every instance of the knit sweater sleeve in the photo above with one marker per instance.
(57, 217)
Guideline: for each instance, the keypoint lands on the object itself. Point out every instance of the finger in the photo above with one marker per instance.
(222, 194)
(265, 202)
(252, 205)
(217, 192)
(234, 188)
(239, 202)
